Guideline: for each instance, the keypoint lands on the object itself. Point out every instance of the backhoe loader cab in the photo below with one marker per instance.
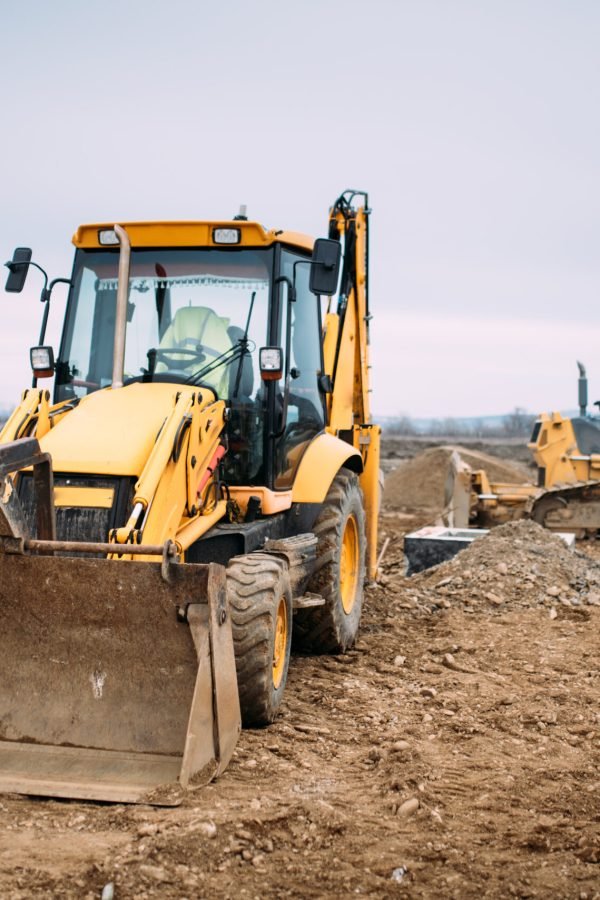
(203, 484)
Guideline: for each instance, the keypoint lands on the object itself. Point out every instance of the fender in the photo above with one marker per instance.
(320, 464)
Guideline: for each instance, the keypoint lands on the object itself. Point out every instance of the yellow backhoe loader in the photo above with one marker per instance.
(567, 494)
(202, 485)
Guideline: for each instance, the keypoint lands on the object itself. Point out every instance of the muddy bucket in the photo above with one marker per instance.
(114, 683)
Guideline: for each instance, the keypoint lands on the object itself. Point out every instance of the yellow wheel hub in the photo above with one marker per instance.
(280, 643)
(349, 560)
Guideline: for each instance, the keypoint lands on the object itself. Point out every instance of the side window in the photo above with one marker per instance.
(91, 328)
(305, 416)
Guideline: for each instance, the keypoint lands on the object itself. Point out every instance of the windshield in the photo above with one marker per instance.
(187, 315)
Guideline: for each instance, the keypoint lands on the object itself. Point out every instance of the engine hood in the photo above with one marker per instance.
(111, 432)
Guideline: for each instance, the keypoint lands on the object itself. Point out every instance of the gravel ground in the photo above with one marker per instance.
(454, 752)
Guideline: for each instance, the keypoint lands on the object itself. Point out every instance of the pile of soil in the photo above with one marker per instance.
(516, 565)
(419, 483)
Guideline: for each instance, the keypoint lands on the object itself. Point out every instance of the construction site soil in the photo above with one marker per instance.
(454, 752)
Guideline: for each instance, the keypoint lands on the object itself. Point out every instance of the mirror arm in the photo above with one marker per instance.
(283, 279)
(45, 298)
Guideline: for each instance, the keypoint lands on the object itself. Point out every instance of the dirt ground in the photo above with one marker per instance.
(455, 752)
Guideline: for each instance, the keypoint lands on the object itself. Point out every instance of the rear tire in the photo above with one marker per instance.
(260, 605)
(340, 572)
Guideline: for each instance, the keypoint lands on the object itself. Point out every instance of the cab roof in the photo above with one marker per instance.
(190, 234)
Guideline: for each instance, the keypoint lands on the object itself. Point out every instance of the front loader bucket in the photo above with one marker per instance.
(114, 684)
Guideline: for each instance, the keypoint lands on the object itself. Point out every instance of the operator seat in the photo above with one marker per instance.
(199, 329)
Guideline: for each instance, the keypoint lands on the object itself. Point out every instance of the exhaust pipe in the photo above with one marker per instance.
(583, 390)
(121, 312)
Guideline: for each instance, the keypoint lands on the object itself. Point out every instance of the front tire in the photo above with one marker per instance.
(340, 572)
(260, 604)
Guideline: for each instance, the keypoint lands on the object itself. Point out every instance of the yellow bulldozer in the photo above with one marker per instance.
(201, 487)
(566, 497)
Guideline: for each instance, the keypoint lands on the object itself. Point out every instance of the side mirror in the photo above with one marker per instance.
(325, 268)
(17, 270)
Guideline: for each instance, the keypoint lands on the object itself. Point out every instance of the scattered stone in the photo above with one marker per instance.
(502, 568)
(553, 591)
(398, 874)
(400, 746)
(243, 835)
(311, 729)
(155, 873)
(208, 829)
(553, 614)
(408, 808)
(399, 660)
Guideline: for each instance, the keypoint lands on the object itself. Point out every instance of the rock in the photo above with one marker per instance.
(408, 808)
(155, 873)
(208, 829)
(494, 598)
(243, 835)
(553, 614)
(312, 729)
(400, 746)
(553, 591)
(502, 568)
(428, 692)
(267, 845)
(258, 860)
(247, 855)
(400, 660)
(147, 829)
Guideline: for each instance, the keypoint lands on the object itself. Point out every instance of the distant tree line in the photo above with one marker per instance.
(516, 424)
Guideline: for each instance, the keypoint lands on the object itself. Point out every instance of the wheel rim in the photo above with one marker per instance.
(280, 643)
(349, 565)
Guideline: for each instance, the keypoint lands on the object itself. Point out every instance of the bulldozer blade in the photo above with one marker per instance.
(107, 692)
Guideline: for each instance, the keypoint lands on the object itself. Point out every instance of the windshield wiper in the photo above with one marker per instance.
(224, 359)
(243, 344)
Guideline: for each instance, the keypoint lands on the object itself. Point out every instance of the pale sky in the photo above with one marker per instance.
(473, 124)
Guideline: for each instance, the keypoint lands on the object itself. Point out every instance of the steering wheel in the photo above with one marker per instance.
(167, 355)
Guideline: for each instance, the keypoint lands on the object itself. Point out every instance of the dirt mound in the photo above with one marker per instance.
(517, 565)
(419, 483)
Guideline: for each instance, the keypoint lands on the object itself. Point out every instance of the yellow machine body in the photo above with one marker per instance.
(124, 688)
(566, 497)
